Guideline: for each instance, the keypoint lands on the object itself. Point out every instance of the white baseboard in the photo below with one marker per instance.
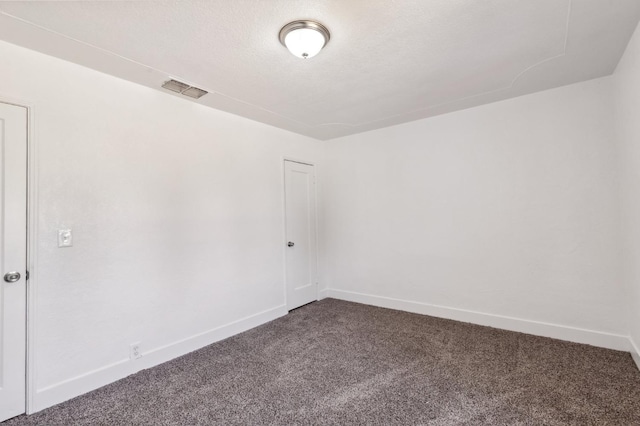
(323, 294)
(555, 331)
(76, 386)
(92, 380)
(635, 352)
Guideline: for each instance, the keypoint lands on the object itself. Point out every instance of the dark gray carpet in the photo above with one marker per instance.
(335, 362)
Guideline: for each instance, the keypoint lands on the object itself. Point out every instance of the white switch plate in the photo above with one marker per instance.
(65, 238)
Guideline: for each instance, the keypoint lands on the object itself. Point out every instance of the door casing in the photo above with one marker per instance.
(283, 161)
(32, 203)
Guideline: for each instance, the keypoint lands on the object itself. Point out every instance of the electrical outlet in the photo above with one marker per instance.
(65, 238)
(134, 351)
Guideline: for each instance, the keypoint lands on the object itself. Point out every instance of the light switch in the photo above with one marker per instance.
(65, 238)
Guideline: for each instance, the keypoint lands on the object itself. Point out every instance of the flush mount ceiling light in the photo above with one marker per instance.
(305, 39)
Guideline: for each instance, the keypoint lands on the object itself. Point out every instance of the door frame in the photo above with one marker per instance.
(284, 221)
(32, 239)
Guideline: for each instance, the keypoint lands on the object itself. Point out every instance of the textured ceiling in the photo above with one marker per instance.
(388, 62)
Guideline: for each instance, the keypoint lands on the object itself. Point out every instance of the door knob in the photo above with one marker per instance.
(12, 277)
(290, 244)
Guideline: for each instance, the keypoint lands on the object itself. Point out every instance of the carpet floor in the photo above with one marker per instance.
(336, 362)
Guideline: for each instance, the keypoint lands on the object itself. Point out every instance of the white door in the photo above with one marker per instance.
(301, 258)
(13, 258)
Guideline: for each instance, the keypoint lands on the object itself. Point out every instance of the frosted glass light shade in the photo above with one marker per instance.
(304, 39)
(304, 43)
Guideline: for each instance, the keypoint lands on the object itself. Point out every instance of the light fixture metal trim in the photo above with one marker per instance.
(298, 25)
(304, 24)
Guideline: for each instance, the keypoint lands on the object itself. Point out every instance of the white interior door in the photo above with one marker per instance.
(13, 290)
(301, 258)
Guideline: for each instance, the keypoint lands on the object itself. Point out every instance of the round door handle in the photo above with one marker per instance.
(12, 277)
(290, 244)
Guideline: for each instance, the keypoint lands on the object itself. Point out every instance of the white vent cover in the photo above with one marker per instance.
(184, 89)
(194, 92)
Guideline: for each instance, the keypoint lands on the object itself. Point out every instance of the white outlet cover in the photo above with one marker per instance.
(134, 351)
(65, 238)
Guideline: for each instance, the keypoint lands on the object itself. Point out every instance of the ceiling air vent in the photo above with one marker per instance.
(194, 92)
(184, 89)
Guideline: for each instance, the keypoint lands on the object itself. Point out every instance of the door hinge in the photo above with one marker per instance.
(26, 276)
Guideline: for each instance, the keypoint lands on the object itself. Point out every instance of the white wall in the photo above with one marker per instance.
(177, 214)
(505, 214)
(508, 209)
(627, 96)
